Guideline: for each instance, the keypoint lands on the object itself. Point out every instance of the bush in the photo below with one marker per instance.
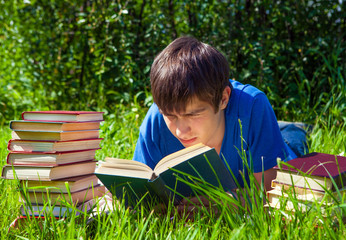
(92, 55)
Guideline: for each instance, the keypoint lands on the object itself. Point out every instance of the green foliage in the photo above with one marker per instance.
(120, 131)
(90, 55)
(328, 138)
(96, 55)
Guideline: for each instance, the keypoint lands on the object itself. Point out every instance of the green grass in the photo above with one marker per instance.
(120, 132)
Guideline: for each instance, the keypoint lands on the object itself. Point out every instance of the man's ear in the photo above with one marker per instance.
(225, 97)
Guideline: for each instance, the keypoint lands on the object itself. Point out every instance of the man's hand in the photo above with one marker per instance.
(268, 176)
(188, 207)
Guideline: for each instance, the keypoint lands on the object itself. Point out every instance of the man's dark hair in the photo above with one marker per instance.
(188, 68)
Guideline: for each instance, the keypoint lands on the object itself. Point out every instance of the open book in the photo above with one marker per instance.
(138, 180)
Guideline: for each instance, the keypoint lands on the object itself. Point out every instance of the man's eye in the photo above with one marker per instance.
(193, 115)
(171, 117)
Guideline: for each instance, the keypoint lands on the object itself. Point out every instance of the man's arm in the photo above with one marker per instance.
(186, 205)
(269, 175)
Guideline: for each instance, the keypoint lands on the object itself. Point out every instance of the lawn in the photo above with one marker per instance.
(119, 131)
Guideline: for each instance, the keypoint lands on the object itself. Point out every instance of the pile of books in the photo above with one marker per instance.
(52, 153)
(313, 180)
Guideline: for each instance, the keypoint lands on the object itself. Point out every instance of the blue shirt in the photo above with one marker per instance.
(248, 116)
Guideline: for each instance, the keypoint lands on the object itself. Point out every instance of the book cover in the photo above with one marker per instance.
(293, 205)
(55, 135)
(57, 158)
(299, 190)
(61, 211)
(19, 145)
(318, 164)
(60, 115)
(198, 161)
(319, 168)
(47, 173)
(22, 221)
(74, 184)
(37, 210)
(306, 193)
(53, 126)
(57, 199)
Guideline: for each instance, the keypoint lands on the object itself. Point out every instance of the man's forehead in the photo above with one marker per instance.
(193, 106)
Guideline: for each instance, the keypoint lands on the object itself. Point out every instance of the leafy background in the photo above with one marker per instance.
(95, 55)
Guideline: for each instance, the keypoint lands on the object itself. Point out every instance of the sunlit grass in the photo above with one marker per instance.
(120, 132)
(328, 138)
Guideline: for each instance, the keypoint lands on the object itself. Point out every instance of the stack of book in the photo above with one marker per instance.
(316, 179)
(53, 154)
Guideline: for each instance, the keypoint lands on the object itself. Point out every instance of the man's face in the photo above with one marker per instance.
(198, 124)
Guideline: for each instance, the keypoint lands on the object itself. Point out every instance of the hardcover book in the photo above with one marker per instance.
(55, 136)
(294, 189)
(47, 173)
(137, 179)
(30, 210)
(18, 145)
(303, 194)
(23, 221)
(57, 158)
(58, 199)
(53, 126)
(59, 211)
(60, 115)
(74, 184)
(293, 204)
(319, 169)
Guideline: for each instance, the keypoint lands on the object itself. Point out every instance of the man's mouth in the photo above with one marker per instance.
(188, 141)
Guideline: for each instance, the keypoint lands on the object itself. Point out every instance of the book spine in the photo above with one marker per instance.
(159, 187)
(8, 158)
(3, 172)
(55, 152)
(11, 125)
(9, 145)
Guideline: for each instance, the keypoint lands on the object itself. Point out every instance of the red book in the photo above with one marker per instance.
(38, 196)
(19, 145)
(31, 125)
(63, 116)
(64, 185)
(47, 173)
(22, 221)
(47, 158)
(319, 169)
(55, 135)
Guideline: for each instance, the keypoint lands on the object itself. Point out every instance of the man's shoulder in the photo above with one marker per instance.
(246, 89)
(245, 95)
(153, 110)
(153, 116)
(244, 98)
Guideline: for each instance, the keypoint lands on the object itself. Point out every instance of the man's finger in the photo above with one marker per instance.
(199, 200)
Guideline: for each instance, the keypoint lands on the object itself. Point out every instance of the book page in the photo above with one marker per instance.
(127, 163)
(123, 167)
(125, 172)
(180, 156)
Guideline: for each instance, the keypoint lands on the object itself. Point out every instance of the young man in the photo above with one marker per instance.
(195, 102)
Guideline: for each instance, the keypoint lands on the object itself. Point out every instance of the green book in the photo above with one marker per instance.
(135, 181)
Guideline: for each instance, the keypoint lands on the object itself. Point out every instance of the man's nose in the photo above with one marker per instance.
(183, 128)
